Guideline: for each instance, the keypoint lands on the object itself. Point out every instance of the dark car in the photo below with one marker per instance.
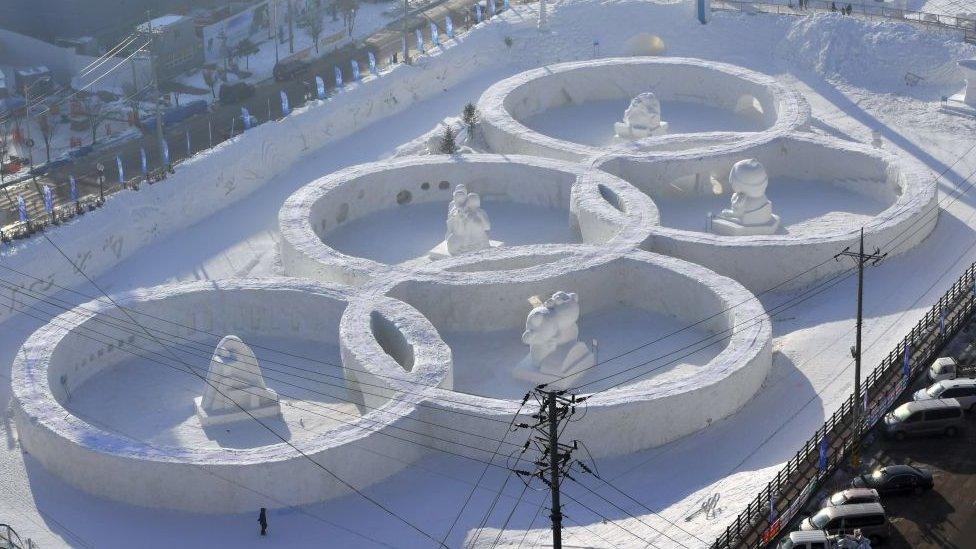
(287, 70)
(895, 479)
(236, 92)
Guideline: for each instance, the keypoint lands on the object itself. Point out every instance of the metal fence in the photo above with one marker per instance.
(827, 449)
(10, 540)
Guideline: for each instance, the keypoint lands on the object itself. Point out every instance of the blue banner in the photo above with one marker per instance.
(449, 27)
(165, 152)
(477, 12)
(420, 41)
(906, 367)
(48, 199)
(491, 8)
(338, 76)
(284, 104)
(822, 460)
(704, 10)
(189, 150)
(320, 87)
(73, 188)
(142, 160)
(118, 164)
(372, 63)
(505, 4)
(435, 38)
(21, 209)
(355, 70)
(942, 321)
(246, 117)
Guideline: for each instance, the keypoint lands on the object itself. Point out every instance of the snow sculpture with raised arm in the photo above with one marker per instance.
(642, 118)
(751, 212)
(556, 356)
(467, 223)
(234, 381)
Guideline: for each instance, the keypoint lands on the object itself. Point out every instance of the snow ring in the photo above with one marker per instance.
(905, 190)
(573, 204)
(58, 359)
(643, 412)
(505, 106)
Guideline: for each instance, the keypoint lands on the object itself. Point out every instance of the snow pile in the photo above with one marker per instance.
(873, 55)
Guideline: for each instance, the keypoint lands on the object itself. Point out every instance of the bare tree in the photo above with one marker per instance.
(95, 111)
(245, 48)
(311, 22)
(348, 9)
(48, 125)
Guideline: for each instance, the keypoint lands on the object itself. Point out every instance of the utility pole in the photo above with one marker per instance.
(406, 40)
(291, 27)
(155, 77)
(555, 459)
(861, 259)
(274, 3)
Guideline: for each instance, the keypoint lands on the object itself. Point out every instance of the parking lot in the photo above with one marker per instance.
(944, 517)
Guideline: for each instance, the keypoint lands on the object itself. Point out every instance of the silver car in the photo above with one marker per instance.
(851, 496)
(961, 389)
(925, 417)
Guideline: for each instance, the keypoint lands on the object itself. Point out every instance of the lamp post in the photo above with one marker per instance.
(30, 141)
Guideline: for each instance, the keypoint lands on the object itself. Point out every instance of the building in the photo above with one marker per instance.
(176, 48)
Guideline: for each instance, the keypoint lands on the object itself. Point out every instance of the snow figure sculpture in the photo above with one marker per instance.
(467, 223)
(968, 67)
(234, 381)
(751, 212)
(556, 356)
(642, 118)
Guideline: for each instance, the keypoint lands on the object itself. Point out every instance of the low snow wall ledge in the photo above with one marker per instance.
(212, 181)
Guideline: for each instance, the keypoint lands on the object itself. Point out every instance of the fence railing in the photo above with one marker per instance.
(827, 449)
(10, 540)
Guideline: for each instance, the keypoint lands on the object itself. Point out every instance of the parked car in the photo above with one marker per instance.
(963, 390)
(80, 151)
(235, 93)
(895, 479)
(869, 518)
(947, 368)
(851, 496)
(925, 417)
(288, 70)
(818, 539)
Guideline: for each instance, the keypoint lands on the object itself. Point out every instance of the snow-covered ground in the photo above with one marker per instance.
(850, 70)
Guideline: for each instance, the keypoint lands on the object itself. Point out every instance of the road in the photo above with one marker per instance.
(206, 130)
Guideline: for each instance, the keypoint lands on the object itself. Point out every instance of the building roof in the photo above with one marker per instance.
(160, 23)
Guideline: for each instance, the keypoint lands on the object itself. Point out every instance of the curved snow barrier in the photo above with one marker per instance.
(506, 107)
(387, 217)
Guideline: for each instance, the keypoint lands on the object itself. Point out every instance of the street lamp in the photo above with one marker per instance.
(30, 142)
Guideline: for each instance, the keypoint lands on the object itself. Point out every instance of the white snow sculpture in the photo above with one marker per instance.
(968, 67)
(642, 118)
(234, 381)
(751, 212)
(556, 355)
(467, 223)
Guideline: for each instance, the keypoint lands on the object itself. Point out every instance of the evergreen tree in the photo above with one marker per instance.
(449, 141)
(469, 116)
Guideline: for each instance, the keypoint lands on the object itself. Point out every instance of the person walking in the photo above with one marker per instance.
(263, 521)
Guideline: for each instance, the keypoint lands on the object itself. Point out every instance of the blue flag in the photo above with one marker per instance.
(906, 367)
(449, 27)
(338, 76)
(165, 152)
(118, 164)
(703, 11)
(189, 150)
(320, 87)
(21, 209)
(491, 8)
(477, 12)
(48, 199)
(942, 321)
(505, 4)
(142, 160)
(73, 188)
(822, 460)
(355, 70)
(284, 104)
(435, 38)
(246, 116)
(420, 41)
(372, 63)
